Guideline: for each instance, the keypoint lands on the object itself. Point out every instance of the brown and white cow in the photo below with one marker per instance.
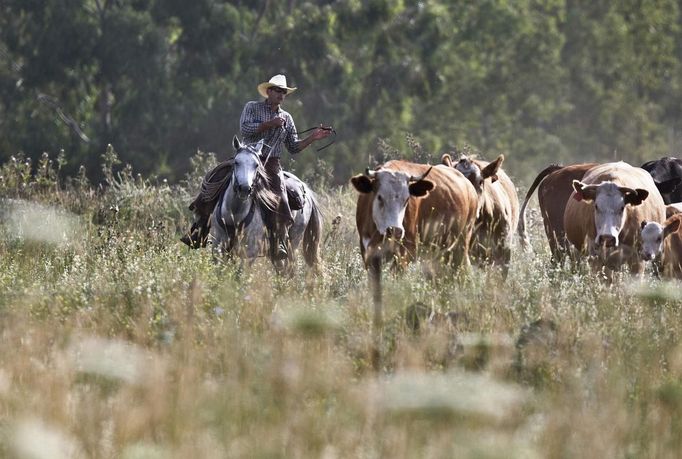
(606, 208)
(498, 209)
(555, 185)
(663, 242)
(405, 208)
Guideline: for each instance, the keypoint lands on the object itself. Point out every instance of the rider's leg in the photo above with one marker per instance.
(283, 218)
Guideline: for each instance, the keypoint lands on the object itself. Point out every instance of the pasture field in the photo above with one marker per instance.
(116, 341)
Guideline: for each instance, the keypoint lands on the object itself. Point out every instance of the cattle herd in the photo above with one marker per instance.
(456, 213)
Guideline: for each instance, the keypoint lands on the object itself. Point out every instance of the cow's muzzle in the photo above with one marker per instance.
(394, 232)
(605, 240)
(647, 256)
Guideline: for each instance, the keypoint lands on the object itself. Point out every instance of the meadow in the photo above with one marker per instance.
(116, 341)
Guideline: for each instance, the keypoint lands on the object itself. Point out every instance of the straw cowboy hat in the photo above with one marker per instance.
(279, 81)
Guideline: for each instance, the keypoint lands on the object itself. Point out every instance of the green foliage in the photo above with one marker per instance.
(541, 82)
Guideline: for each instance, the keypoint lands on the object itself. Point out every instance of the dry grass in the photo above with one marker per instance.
(117, 341)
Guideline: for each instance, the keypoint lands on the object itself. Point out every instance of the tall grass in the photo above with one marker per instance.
(118, 341)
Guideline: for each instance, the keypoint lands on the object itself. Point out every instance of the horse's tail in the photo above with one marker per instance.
(521, 228)
(311, 236)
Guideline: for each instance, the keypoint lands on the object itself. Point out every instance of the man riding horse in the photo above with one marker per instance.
(264, 120)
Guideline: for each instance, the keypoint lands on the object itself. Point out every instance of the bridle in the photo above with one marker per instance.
(229, 229)
(235, 182)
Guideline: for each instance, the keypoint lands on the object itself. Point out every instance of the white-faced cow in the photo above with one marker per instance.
(605, 211)
(667, 173)
(498, 209)
(555, 185)
(663, 242)
(404, 209)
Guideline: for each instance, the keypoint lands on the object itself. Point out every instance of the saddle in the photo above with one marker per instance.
(217, 180)
(295, 191)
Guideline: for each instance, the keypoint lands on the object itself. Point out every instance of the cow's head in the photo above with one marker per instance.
(391, 191)
(473, 173)
(609, 207)
(653, 234)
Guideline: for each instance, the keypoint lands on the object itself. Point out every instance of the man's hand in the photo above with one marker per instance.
(275, 122)
(321, 132)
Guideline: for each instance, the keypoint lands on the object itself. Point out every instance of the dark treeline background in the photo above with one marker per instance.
(541, 81)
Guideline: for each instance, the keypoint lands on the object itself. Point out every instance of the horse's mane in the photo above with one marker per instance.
(262, 193)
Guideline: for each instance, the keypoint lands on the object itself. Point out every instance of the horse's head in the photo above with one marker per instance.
(247, 167)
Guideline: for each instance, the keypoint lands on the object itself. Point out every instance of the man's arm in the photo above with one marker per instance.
(296, 145)
(318, 134)
(250, 123)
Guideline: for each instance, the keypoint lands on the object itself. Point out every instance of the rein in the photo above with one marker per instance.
(289, 131)
(324, 129)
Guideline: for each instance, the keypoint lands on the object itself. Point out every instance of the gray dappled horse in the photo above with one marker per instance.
(237, 223)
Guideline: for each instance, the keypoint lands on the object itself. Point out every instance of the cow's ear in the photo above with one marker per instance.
(446, 159)
(634, 197)
(643, 224)
(584, 192)
(670, 211)
(490, 171)
(671, 228)
(421, 188)
(668, 186)
(236, 143)
(362, 183)
(649, 165)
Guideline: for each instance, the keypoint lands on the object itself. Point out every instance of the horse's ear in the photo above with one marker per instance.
(259, 146)
(236, 143)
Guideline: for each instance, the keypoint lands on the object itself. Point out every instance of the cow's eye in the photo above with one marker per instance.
(658, 239)
(380, 199)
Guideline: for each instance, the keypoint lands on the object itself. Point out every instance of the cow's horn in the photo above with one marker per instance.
(370, 173)
(421, 177)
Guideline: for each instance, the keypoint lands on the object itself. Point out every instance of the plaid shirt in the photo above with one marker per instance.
(257, 112)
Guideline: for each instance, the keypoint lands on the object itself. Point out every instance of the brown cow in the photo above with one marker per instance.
(664, 240)
(498, 209)
(555, 187)
(404, 208)
(605, 209)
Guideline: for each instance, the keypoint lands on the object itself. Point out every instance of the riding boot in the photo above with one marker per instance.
(282, 239)
(198, 233)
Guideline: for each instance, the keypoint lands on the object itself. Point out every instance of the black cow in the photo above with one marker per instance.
(667, 173)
